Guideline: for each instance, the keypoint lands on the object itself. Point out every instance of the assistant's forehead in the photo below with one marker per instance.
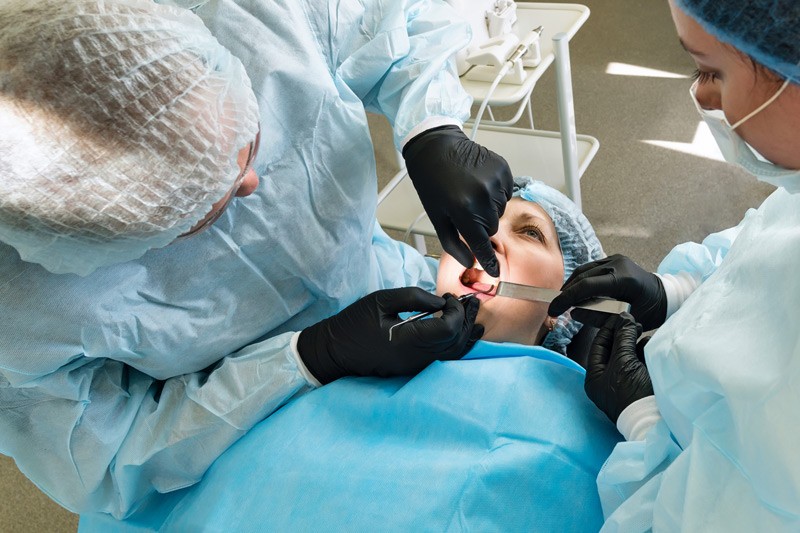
(703, 46)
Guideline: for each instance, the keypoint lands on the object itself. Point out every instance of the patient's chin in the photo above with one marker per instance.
(512, 321)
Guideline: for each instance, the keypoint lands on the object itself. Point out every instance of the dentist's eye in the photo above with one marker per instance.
(701, 76)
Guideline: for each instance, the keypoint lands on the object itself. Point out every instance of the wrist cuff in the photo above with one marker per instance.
(301, 366)
(678, 287)
(636, 420)
(428, 124)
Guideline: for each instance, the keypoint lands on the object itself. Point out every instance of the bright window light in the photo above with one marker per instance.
(623, 69)
(703, 144)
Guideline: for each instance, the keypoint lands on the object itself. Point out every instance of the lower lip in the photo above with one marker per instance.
(483, 296)
(476, 289)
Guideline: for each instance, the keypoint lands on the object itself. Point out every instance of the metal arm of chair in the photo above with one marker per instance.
(566, 117)
(392, 185)
(525, 103)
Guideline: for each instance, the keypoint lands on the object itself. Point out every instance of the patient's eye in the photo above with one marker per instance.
(533, 232)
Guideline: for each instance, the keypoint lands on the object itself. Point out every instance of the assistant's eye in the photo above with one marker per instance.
(702, 76)
(533, 232)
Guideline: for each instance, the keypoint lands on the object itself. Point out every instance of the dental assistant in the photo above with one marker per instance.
(144, 327)
(710, 404)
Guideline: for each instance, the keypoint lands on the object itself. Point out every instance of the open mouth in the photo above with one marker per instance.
(475, 280)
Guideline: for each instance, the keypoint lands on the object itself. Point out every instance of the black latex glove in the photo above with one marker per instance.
(355, 342)
(464, 189)
(640, 347)
(615, 277)
(616, 377)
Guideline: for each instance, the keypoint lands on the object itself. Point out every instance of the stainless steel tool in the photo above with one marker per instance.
(414, 318)
(538, 294)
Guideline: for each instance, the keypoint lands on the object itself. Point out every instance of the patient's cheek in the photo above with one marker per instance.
(447, 276)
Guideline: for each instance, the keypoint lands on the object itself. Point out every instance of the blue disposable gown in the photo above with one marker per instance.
(505, 442)
(132, 380)
(726, 374)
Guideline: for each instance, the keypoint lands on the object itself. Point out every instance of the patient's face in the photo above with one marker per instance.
(528, 252)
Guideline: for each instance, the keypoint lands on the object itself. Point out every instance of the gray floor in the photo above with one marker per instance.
(642, 199)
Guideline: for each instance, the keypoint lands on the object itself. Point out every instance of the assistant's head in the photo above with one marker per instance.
(541, 239)
(745, 51)
(125, 125)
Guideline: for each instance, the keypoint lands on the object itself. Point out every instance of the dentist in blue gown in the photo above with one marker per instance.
(144, 327)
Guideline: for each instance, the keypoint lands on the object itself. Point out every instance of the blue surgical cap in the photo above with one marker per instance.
(577, 239)
(766, 30)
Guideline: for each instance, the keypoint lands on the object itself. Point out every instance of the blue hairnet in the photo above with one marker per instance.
(766, 30)
(577, 239)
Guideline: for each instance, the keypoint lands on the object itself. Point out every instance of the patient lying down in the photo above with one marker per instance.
(541, 239)
(507, 441)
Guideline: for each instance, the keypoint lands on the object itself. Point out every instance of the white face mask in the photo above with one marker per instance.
(735, 150)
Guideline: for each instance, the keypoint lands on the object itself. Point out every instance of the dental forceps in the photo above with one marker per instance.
(413, 318)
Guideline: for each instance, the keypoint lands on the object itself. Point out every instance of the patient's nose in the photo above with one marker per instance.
(498, 242)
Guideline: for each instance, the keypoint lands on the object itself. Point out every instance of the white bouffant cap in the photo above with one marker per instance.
(121, 125)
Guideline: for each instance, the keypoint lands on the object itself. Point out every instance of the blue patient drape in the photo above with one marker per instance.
(504, 440)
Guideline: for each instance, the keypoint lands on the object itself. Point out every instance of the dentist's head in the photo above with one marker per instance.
(125, 125)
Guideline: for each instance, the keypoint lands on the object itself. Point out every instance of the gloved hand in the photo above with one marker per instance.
(616, 377)
(464, 189)
(355, 342)
(615, 277)
(640, 347)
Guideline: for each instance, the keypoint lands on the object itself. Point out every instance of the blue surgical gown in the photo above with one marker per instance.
(726, 374)
(134, 379)
(504, 440)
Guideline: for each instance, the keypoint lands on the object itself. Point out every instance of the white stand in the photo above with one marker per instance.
(566, 118)
(557, 158)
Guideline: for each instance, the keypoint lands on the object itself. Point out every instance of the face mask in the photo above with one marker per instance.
(735, 150)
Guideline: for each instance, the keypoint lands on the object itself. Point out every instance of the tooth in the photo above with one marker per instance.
(477, 266)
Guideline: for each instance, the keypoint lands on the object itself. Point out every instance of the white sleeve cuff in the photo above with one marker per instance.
(301, 366)
(428, 124)
(636, 420)
(678, 287)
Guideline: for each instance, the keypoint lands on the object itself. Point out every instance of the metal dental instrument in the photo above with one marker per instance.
(537, 294)
(413, 318)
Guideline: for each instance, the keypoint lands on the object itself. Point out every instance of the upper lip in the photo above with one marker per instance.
(473, 275)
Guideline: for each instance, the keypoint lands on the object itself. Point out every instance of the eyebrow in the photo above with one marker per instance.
(691, 50)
